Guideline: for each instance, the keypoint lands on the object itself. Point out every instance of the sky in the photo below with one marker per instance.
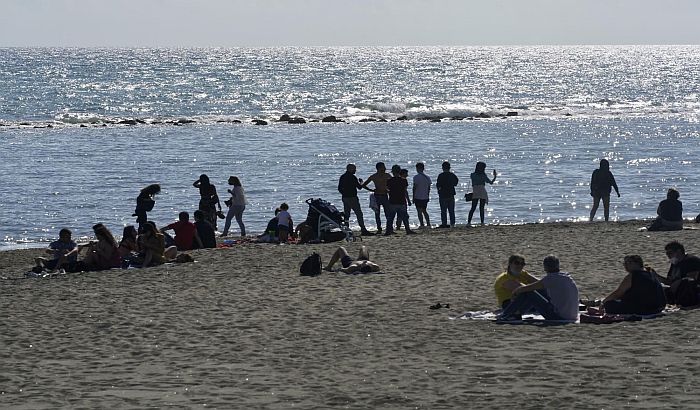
(262, 23)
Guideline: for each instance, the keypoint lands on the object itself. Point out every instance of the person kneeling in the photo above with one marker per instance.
(638, 293)
(561, 288)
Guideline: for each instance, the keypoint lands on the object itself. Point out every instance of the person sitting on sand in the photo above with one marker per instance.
(205, 231)
(361, 265)
(186, 237)
(271, 233)
(682, 265)
(670, 213)
(153, 246)
(562, 291)
(513, 277)
(639, 293)
(103, 254)
(64, 252)
(128, 245)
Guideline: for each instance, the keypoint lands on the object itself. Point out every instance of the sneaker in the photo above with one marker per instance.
(379, 230)
(411, 233)
(443, 226)
(388, 233)
(366, 233)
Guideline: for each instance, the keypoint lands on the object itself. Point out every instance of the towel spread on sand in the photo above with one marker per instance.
(533, 319)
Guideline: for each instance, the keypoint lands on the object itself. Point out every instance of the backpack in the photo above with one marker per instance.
(311, 265)
(685, 292)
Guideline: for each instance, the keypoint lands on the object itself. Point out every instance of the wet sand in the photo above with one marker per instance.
(241, 329)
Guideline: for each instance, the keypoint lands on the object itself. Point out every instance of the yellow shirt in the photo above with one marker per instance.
(503, 294)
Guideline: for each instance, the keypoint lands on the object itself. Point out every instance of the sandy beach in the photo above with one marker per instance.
(241, 329)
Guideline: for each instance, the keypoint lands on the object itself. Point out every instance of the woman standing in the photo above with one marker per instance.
(481, 197)
(209, 199)
(145, 202)
(602, 183)
(236, 205)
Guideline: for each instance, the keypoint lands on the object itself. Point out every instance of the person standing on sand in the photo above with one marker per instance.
(348, 184)
(398, 194)
(144, 203)
(421, 194)
(479, 180)
(561, 289)
(381, 195)
(209, 199)
(446, 183)
(236, 205)
(602, 183)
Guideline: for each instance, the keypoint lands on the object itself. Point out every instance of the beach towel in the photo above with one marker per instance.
(533, 319)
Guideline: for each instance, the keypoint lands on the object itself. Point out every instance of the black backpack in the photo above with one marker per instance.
(311, 265)
(685, 292)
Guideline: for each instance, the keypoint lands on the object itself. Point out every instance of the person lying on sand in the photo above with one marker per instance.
(561, 288)
(640, 292)
(514, 277)
(362, 264)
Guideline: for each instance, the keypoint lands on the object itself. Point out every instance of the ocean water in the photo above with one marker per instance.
(67, 162)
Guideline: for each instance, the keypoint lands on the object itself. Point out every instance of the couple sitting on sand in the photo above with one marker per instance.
(555, 296)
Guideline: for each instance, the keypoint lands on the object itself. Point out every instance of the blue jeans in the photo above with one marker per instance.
(235, 211)
(382, 202)
(397, 210)
(447, 204)
(527, 301)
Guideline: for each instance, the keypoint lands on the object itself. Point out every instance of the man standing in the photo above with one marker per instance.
(421, 194)
(446, 183)
(398, 194)
(348, 184)
(562, 291)
(379, 179)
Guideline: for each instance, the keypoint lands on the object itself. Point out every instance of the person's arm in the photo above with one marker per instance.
(166, 228)
(198, 240)
(511, 284)
(340, 184)
(367, 181)
(614, 184)
(660, 278)
(456, 180)
(216, 196)
(196, 184)
(491, 181)
(624, 286)
(528, 288)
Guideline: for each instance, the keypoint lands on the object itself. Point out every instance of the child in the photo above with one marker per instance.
(284, 222)
(64, 251)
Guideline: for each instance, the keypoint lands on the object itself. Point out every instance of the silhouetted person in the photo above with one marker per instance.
(446, 183)
(602, 183)
(348, 184)
(479, 180)
(209, 199)
(398, 195)
(421, 194)
(381, 195)
(204, 230)
(670, 213)
(640, 292)
(145, 202)
(236, 205)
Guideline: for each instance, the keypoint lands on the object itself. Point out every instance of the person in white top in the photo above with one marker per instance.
(421, 194)
(236, 205)
(284, 222)
(561, 290)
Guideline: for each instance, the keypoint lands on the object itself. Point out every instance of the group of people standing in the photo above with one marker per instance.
(390, 193)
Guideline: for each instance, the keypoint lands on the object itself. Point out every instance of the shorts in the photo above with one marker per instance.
(421, 203)
(346, 261)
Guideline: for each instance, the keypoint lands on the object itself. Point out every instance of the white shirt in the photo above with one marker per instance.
(283, 218)
(563, 294)
(238, 196)
(421, 186)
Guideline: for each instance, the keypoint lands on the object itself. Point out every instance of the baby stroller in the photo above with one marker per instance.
(326, 221)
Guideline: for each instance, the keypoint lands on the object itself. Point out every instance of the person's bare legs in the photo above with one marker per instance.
(482, 206)
(475, 202)
(363, 255)
(337, 255)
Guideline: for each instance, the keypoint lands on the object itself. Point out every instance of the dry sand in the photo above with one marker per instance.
(241, 329)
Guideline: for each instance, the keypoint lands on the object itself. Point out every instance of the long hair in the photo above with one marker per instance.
(101, 232)
(151, 189)
(129, 233)
(480, 168)
(233, 180)
(604, 164)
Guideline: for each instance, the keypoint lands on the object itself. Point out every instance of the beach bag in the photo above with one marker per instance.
(685, 292)
(469, 195)
(311, 265)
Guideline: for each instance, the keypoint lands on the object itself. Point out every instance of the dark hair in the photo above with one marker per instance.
(551, 264)
(65, 231)
(674, 246)
(204, 179)
(445, 166)
(198, 214)
(604, 164)
(128, 232)
(151, 189)
(149, 227)
(516, 258)
(347, 167)
(673, 194)
(284, 206)
(277, 210)
(183, 216)
(404, 171)
(635, 259)
(480, 167)
(420, 166)
(395, 169)
(380, 165)
(101, 231)
(233, 180)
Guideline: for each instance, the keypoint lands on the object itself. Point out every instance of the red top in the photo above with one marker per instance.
(184, 234)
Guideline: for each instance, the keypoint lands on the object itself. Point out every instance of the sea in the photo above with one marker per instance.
(83, 130)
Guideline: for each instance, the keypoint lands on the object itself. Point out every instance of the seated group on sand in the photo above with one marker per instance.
(641, 292)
